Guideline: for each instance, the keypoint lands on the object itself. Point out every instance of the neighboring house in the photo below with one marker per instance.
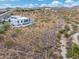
(47, 8)
(18, 21)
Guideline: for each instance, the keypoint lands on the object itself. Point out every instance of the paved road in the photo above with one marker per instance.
(6, 14)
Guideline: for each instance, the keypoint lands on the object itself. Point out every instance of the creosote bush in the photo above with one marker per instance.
(2, 29)
(49, 52)
(45, 20)
(58, 35)
(73, 52)
(66, 32)
(62, 31)
(6, 25)
(9, 43)
(1, 38)
(67, 28)
(17, 30)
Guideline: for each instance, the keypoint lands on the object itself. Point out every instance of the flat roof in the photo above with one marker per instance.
(19, 17)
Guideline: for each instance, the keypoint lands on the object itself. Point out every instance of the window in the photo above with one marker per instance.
(17, 21)
(21, 21)
(26, 20)
(9, 20)
(13, 18)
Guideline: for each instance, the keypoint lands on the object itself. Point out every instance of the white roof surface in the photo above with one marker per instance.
(18, 17)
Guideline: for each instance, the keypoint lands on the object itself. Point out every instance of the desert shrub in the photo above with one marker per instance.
(66, 18)
(45, 20)
(6, 25)
(2, 29)
(14, 35)
(75, 27)
(9, 43)
(73, 52)
(65, 31)
(67, 28)
(58, 35)
(66, 34)
(62, 31)
(1, 38)
(49, 52)
(17, 30)
(36, 20)
(37, 49)
(69, 53)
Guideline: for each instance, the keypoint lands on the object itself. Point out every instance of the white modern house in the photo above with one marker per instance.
(18, 21)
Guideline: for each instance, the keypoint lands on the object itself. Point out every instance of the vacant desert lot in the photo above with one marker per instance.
(37, 41)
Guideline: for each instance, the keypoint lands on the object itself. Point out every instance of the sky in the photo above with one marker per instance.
(38, 3)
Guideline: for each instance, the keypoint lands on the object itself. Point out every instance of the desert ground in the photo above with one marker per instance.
(39, 40)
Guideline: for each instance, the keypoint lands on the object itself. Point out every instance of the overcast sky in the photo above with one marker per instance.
(38, 3)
